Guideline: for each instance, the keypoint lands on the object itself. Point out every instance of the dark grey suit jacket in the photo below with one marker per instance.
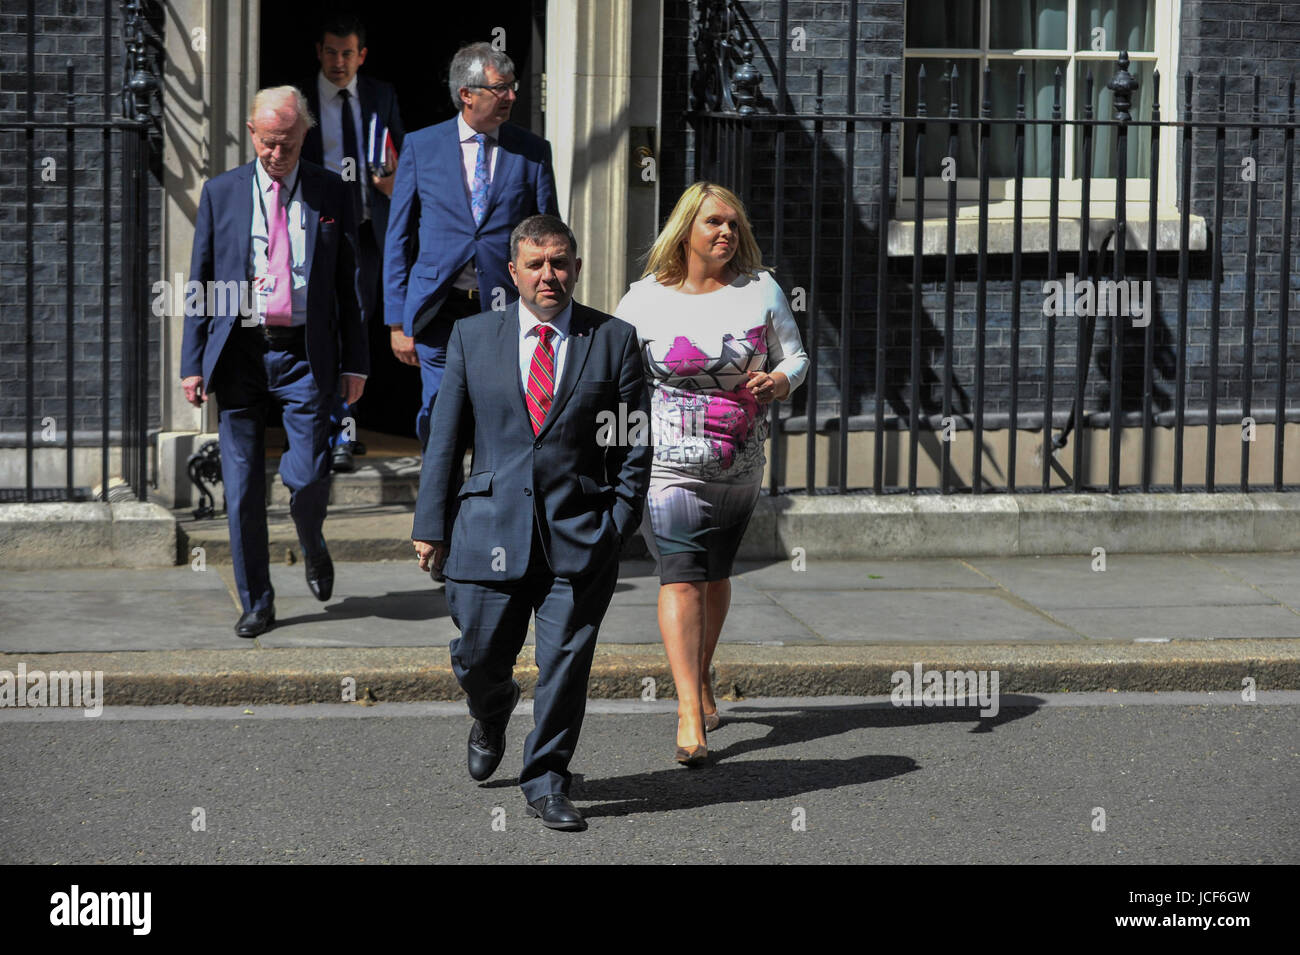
(584, 492)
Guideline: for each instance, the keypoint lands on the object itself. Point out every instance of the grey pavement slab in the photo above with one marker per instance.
(109, 579)
(380, 604)
(916, 616)
(173, 608)
(1129, 580)
(638, 584)
(819, 574)
(1278, 575)
(393, 604)
(764, 623)
(1182, 623)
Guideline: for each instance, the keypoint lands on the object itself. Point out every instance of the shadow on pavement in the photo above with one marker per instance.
(791, 726)
(758, 780)
(411, 605)
(750, 781)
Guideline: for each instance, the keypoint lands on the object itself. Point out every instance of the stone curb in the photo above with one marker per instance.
(143, 534)
(86, 534)
(300, 675)
(863, 526)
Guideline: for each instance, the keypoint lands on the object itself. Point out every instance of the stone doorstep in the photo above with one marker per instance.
(246, 676)
(375, 483)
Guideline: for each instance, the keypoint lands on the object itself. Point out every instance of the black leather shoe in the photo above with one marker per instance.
(556, 812)
(255, 622)
(359, 448)
(320, 575)
(487, 743)
(342, 458)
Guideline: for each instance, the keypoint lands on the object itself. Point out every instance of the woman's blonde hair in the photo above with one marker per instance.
(667, 258)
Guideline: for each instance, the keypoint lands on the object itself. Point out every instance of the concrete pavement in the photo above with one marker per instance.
(800, 627)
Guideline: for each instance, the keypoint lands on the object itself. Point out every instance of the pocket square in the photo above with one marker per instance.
(326, 220)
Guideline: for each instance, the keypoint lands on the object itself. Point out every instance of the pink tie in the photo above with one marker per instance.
(279, 306)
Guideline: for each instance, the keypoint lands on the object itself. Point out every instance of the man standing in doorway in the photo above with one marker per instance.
(358, 115)
(462, 185)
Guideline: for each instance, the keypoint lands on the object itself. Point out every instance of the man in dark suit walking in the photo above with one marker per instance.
(537, 526)
(462, 185)
(283, 228)
(352, 108)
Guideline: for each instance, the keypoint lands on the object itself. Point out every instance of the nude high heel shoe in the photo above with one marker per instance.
(692, 756)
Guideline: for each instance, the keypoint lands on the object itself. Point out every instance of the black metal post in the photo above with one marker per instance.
(1053, 241)
(1017, 243)
(950, 282)
(1123, 84)
(1180, 386)
(846, 258)
(882, 296)
(1284, 288)
(918, 249)
(30, 314)
(1085, 325)
(814, 251)
(776, 468)
(1216, 281)
(1248, 332)
(981, 292)
(69, 278)
(1149, 306)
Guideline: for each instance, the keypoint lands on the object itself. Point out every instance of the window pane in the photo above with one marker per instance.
(1017, 24)
(936, 104)
(943, 25)
(1124, 25)
(1039, 94)
(1104, 137)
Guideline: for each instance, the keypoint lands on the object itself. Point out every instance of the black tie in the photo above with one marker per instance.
(350, 150)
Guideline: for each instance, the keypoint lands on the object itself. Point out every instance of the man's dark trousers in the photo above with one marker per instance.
(251, 375)
(431, 349)
(569, 613)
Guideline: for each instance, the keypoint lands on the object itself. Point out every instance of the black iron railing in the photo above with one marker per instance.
(732, 137)
(123, 130)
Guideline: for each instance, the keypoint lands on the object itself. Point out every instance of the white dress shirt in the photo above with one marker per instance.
(331, 133)
(468, 278)
(263, 198)
(529, 339)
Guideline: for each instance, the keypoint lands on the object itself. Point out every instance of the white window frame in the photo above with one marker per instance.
(1037, 189)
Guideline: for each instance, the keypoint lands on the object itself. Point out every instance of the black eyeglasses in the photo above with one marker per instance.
(501, 89)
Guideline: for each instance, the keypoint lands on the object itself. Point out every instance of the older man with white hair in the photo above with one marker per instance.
(283, 230)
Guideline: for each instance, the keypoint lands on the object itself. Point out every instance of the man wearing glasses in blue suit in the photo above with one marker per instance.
(461, 187)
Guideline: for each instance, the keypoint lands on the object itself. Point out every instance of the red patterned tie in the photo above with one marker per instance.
(541, 378)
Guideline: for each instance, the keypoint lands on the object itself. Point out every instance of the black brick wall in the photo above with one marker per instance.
(66, 30)
(1237, 39)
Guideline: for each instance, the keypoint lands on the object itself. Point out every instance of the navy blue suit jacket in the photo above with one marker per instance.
(585, 496)
(336, 338)
(431, 230)
(377, 98)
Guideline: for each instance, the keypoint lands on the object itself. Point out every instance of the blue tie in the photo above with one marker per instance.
(478, 196)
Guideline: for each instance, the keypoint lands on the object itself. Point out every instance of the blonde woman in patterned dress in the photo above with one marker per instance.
(719, 345)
